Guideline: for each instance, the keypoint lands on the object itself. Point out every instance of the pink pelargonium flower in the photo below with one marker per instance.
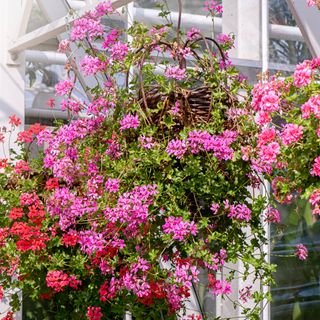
(177, 148)
(240, 212)
(193, 34)
(291, 133)
(311, 3)
(267, 135)
(218, 286)
(175, 73)
(316, 167)
(178, 228)
(301, 252)
(262, 118)
(315, 197)
(64, 87)
(103, 8)
(272, 215)
(64, 46)
(213, 7)
(86, 27)
(110, 39)
(268, 153)
(303, 74)
(112, 185)
(119, 51)
(146, 142)
(91, 65)
(129, 121)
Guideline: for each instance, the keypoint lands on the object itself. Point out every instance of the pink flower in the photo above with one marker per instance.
(146, 142)
(128, 122)
(110, 39)
(64, 87)
(263, 118)
(268, 153)
(103, 8)
(86, 27)
(267, 135)
(64, 46)
(177, 148)
(178, 228)
(218, 286)
(215, 208)
(112, 185)
(311, 106)
(291, 133)
(272, 215)
(91, 65)
(193, 34)
(302, 74)
(119, 51)
(212, 7)
(240, 212)
(176, 108)
(301, 252)
(316, 167)
(311, 3)
(315, 197)
(175, 73)
(21, 166)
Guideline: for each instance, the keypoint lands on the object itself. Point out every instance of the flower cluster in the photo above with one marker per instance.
(143, 188)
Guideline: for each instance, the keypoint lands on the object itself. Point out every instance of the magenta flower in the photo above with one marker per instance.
(240, 212)
(291, 133)
(311, 3)
(112, 185)
(129, 121)
(119, 51)
(91, 65)
(212, 7)
(175, 73)
(193, 34)
(177, 148)
(301, 252)
(272, 215)
(178, 228)
(302, 75)
(316, 167)
(64, 87)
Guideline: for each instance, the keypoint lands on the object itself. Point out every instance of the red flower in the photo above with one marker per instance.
(14, 120)
(16, 213)
(3, 162)
(57, 280)
(52, 183)
(94, 313)
(51, 103)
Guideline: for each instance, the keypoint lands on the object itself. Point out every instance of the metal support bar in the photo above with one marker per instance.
(53, 29)
(308, 20)
(46, 57)
(26, 11)
(188, 20)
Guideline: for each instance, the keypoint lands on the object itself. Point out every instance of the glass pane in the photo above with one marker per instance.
(188, 6)
(282, 50)
(40, 87)
(296, 294)
(37, 18)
